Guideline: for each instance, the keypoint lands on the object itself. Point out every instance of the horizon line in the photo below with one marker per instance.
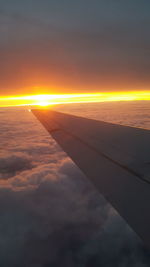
(54, 99)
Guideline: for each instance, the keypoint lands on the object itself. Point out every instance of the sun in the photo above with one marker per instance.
(43, 104)
(42, 100)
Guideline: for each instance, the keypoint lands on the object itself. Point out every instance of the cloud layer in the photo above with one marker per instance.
(50, 214)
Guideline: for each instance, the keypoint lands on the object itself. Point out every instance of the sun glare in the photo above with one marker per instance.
(42, 100)
(51, 99)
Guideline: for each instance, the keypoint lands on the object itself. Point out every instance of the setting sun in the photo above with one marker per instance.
(42, 100)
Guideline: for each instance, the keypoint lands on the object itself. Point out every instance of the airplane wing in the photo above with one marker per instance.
(115, 158)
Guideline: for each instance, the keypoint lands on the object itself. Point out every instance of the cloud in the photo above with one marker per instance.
(11, 164)
(50, 214)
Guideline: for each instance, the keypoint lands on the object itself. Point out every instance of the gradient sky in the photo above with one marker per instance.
(65, 46)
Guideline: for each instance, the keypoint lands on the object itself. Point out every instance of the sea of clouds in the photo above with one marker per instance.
(50, 214)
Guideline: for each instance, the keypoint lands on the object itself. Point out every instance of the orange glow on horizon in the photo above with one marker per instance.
(53, 99)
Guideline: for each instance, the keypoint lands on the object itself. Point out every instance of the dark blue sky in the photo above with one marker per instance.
(82, 45)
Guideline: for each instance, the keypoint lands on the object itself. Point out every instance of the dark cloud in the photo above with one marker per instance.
(11, 164)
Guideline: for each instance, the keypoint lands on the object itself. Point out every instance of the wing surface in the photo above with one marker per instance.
(115, 158)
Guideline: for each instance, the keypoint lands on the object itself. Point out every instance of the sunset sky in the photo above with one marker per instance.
(59, 52)
(57, 47)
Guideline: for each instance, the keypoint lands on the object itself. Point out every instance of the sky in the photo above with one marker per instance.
(50, 213)
(65, 46)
